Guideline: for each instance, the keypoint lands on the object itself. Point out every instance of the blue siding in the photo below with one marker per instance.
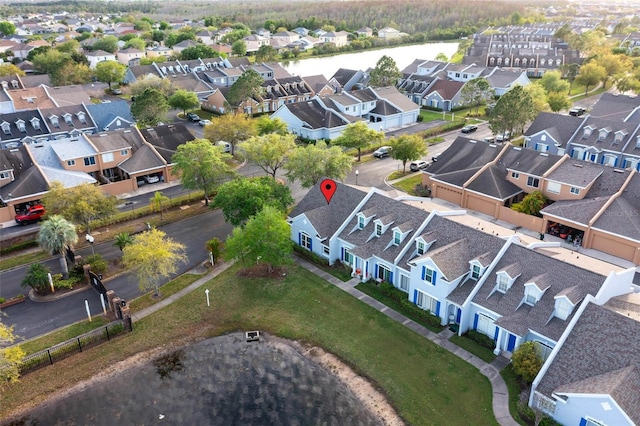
(475, 322)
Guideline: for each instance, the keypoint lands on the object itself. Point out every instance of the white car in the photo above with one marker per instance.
(204, 122)
(151, 179)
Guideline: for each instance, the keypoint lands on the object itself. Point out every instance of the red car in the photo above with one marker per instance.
(33, 214)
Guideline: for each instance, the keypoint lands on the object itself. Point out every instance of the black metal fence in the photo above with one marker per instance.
(72, 346)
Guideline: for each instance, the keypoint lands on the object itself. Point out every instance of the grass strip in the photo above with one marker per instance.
(469, 345)
(170, 288)
(513, 387)
(59, 336)
(23, 259)
(423, 381)
(408, 185)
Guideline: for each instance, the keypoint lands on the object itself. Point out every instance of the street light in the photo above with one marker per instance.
(90, 240)
(357, 173)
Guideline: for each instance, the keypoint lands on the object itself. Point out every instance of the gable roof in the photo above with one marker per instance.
(343, 76)
(519, 317)
(27, 178)
(315, 116)
(610, 127)
(447, 89)
(104, 115)
(464, 154)
(609, 366)
(167, 138)
(68, 95)
(397, 99)
(559, 127)
(614, 107)
(27, 116)
(325, 217)
(30, 98)
(619, 217)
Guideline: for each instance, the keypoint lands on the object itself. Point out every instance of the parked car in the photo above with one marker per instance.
(470, 128)
(151, 179)
(192, 116)
(418, 165)
(116, 91)
(489, 139)
(503, 137)
(435, 157)
(33, 214)
(224, 146)
(577, 111)
(204, 122)
(381, 152)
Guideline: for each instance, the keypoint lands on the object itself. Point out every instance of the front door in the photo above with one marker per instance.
(511, 344)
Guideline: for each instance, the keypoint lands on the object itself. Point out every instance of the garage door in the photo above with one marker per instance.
(616, 247)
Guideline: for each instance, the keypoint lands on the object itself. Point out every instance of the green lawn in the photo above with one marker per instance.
(62, 335)
(424, 382)
(510, 378)
(9, 262)
(170, 288)
(408, 185)
(469, 345)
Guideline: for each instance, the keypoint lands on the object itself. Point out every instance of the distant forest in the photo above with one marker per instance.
(410, 16)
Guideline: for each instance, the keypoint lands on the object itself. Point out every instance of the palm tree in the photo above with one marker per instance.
(158, 201)
(122, 240)
(56, 233)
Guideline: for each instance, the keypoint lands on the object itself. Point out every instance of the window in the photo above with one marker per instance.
(404, 283)
(532, 181)
(427, 302)
(348, 257)
(305, 241)
(563, 308)
(397, 238)
(107, 157)
(384, 273)
(325, 250)
(515, 175)
(71, 162)
(361, 222)
(89, 161)
(554, 187)
(378, 229)
(475, 272)
(503, 283)
(530, 299)
(124, 152)
(485, 325)
(420, 247)
(5, 175)
(575, 191)
(428, 275)
(544, 350)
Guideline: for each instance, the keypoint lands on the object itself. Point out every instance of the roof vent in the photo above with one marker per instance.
(577, 165)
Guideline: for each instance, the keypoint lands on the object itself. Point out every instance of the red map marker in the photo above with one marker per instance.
(328, 188)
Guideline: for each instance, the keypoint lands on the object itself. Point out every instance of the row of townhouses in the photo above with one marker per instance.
(493, 284)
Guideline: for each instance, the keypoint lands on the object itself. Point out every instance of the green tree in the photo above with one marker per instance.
(10, 69)
(151, 81)
(150, 107)
(110, 72)
(239, 48)
(357, 136)
(539, 97)
(56, 234)
(266, 237)
(72, 73)
(241, 198)
(49, 62)
(531, 204)
(570, 72)
(407, 148)
(37, 277)
(69, 47)
(590, 74)
(248, 85)
(7, 28)
(269, 152)
(202, 166)
(527, 361)
(311, 163)
(152, 256)
(266, 124)
(158, 202)
(442, 57)
(613, 65)
(10, 356)
(199, 51)
(512, 111)
(476, 92)
(266, 53)
(385, 73)
(215, 247)
(184, 100)
(558, 101)
(122, 240)
(107, 43)
(232, 128)
(136, 43)
(552, 82)
(80, 204)
(626, 82)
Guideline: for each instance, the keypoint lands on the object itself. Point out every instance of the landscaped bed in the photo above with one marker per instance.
(423, 381)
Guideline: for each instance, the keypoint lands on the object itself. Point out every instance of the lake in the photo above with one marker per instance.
(403, 55)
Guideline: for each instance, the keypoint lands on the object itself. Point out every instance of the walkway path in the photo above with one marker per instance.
(491, 371)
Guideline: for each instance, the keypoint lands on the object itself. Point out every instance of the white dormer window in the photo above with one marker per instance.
(54, 121)
(587, 131)
(68, 119)
(476, 271)
(420, 247)
(618, 137)
(82, 117)
(563, 308)
(35, 123)
(531, 295)
(6, 128)
(361, 222)
(15, 84)
(503, 283)
(602, 135)
(21, 126)
(638, 142)
(397, 237)
(378, 229)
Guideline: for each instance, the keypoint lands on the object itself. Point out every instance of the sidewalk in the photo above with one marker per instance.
(500, 400)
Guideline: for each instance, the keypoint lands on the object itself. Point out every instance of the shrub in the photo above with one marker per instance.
(36, 277)
(548, 421)
(481, 339)
(408, 306)
(97, 262)
(2, 300)
(65, 284)
(527, 361)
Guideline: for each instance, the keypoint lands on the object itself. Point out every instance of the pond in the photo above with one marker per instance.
(403, 55)
(221, 381)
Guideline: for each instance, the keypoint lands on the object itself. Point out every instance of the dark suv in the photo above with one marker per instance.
(33, 214)
(192, 116)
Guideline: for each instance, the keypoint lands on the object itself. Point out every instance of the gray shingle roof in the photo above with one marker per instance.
(614, 107)
(464, 153)
(167, 138)
(142, 159)
(327, 218)
(493, 182)
(608, 142)
(518, 317)
(579, 211)
(27, 178)
(317, 117)
(104, 115)
(576, 173)
(609, 366)
(559, 127)
(622, 217)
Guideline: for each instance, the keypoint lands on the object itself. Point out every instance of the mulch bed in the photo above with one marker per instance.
(262, 271)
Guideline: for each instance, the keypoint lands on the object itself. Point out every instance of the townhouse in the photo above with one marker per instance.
(469, 279)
